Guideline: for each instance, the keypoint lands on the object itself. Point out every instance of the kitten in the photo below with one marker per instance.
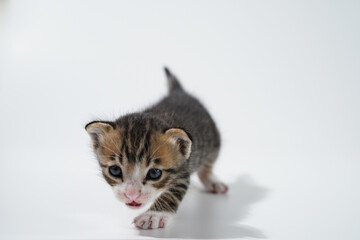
(148, 156)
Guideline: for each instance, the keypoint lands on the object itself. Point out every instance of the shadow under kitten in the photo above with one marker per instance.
(208, 216)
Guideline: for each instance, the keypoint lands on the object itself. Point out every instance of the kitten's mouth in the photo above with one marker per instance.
(134, 204)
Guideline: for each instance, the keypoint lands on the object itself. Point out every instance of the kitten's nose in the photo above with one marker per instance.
(132, 195)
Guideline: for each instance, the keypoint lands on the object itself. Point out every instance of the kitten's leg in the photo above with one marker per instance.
(165, 206)
(207, 177)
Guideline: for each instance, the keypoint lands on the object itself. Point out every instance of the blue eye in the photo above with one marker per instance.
(115, 171)
(154, 174)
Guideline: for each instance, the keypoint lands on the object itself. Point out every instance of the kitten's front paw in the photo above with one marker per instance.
(153, 219)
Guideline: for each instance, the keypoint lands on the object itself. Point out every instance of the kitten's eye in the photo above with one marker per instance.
(154, 174)
(115, 171)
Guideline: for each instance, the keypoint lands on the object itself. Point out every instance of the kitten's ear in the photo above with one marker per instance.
(180, 140)
(97, 130)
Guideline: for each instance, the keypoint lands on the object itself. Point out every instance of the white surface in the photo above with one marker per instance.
(280, 77)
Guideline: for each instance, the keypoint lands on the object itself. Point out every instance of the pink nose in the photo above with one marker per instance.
(132, 195)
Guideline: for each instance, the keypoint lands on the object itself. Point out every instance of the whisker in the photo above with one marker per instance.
(161, 156)
(116, 145)
(157, 149)
(112, 151)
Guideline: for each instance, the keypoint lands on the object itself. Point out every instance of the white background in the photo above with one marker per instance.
(281, 78)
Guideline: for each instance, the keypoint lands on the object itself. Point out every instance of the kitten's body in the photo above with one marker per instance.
(173, 138)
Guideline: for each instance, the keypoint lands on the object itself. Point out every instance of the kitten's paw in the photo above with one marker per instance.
(213, 185)
(153, 219)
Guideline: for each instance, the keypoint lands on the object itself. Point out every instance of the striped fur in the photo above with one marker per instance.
(176, 136)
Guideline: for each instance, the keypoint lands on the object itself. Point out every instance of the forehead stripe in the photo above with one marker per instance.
(148, 160)
(143, 145)
(121, 159)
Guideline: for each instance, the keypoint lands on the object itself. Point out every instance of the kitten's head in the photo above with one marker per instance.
(138, 158)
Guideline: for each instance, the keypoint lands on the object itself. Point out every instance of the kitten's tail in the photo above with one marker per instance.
(173, 82)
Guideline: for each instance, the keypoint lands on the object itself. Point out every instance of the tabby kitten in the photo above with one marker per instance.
(148, 156)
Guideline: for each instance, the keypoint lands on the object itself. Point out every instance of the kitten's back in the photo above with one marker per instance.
(181, 110)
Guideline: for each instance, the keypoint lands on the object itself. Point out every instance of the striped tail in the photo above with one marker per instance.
(173, 82)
